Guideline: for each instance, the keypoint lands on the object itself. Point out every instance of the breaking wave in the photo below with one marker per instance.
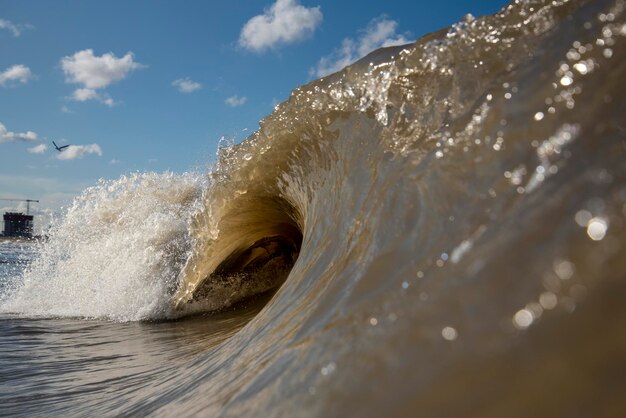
(462, 188)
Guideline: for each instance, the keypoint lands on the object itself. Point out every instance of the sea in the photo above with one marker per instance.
(438, 230)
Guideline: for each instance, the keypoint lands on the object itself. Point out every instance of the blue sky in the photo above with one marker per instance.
(153, 85)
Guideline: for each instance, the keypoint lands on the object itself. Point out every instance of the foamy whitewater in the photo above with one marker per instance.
(436, 230)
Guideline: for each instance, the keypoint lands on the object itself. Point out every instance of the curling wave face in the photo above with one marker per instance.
(433, 211)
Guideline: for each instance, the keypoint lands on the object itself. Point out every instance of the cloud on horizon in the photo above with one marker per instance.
(380, 32)
(14, 75)
(16, 29)
(96, 72)
(284, 22)
(79, 151)
(7, 136)
(235, 101)
(186, 85)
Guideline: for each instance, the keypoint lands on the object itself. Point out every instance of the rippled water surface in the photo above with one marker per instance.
(436, 230)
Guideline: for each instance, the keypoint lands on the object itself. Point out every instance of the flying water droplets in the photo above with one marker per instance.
(449, 333)
(596, 228)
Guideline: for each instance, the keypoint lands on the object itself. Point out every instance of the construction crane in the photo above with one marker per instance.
(24, 200)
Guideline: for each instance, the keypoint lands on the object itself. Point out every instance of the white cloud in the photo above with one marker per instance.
(15, 29)
(38, 149)
(114, 161)
(79, 151)
(285, 22)
(234, 101)
(186, 85)
(380, 32)
(15, 74)
(95, 73)
(84, 94)
(6, 135)
(65, 109)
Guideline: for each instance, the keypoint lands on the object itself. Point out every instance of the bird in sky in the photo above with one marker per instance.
(58, 147)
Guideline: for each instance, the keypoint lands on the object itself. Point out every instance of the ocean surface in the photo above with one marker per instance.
(437, 230)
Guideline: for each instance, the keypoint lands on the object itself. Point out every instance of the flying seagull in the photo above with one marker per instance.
(58, 147)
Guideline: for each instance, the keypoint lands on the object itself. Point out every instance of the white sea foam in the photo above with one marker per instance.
(116, 254)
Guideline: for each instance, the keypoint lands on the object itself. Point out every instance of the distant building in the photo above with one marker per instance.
(18, 225)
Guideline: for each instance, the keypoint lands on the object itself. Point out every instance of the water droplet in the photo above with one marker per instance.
(328, 369)
(523, 319)
(564, 269)
(449, 334)
(596, 228)
(538, 116)
(535, 309)
(573, 55)
(373, 322)
(548, 300)
(582, 217)
(581, 67)
(566, 80)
